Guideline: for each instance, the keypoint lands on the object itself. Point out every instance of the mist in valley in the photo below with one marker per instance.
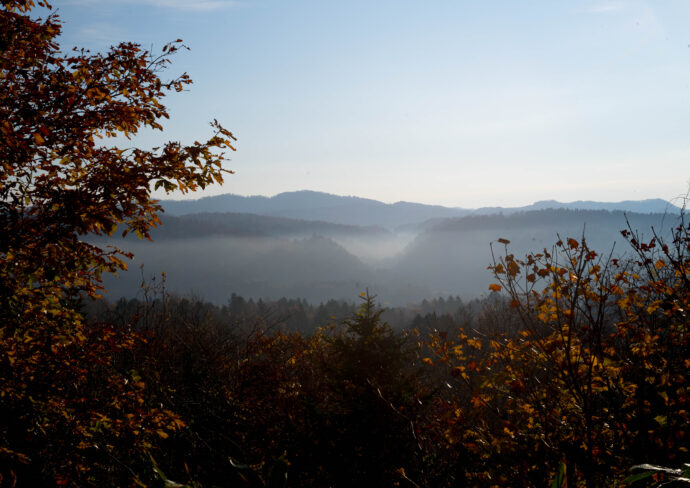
(218, 254)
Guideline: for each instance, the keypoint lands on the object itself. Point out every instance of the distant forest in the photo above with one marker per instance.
(255, 256)
(296, 315)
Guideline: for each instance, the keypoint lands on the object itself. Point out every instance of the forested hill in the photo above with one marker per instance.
(648, 206)
(215, 255)
(210, 224)
(594, 221)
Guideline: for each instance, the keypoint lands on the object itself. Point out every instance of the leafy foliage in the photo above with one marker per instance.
(70, 414)
(596, 373)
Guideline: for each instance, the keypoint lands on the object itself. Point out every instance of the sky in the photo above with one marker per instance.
(461, 103)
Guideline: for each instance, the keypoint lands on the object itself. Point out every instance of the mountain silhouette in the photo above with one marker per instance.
(351, 210)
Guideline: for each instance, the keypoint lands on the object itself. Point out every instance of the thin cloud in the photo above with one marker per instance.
(639, 16)
(182, 5)
(101, 33)
(194, 5)
(605, 8)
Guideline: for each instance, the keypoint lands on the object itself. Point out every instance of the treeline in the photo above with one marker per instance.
(292, 314)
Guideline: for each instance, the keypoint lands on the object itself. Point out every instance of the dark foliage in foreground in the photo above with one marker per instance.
(575, 374)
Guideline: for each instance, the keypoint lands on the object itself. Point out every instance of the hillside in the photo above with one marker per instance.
(244, 224)
(215, 255)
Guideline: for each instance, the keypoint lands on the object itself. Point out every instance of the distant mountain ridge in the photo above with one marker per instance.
(648, 206)
(351, 210)
(311, 205)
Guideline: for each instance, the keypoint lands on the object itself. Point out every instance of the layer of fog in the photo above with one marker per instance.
(376, 251)
(449, 258)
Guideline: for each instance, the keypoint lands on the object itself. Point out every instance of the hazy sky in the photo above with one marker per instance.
(462, 103)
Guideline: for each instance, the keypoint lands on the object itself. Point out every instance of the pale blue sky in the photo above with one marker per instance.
(462, 103)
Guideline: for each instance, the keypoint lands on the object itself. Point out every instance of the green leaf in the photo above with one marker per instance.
(560, 476)
(637, 477)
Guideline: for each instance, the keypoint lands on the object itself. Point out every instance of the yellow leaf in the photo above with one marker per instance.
(494, 287)
(38, 138)
(475, 343)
